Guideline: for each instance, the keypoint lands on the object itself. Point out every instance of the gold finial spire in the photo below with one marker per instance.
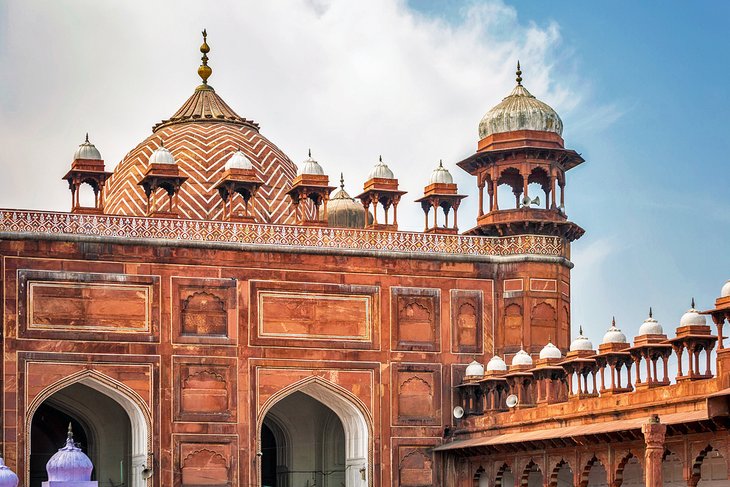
(204, 71)
(519, 74)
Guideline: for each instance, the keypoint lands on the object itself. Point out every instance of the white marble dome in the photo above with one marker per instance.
(651, 326)
(381, 170)
(614, 335)
(441, 175)
(8, 478)
(496, 364)
(474, 369)
(692, 317)
(520, 111)
(522, 358)
(725, 291)
(581, 342)
(162, 155)
(87, 150)
(310, 166)
(238, 160)
(550, 351)
(69, 463)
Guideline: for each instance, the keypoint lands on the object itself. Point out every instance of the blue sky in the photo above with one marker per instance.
(641, 88)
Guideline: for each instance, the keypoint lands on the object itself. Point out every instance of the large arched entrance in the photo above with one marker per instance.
(107, 422)
(313, 435)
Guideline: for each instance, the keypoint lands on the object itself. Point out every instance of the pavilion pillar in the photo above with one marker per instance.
(654, 433)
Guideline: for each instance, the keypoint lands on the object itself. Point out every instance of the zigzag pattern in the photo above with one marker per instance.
(201, 150)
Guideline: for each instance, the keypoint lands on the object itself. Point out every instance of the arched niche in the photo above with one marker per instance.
(353, 415)
(130, 402)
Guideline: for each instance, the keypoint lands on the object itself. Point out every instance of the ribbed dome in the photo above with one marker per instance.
(581, 342)
(692, 317)
(162, 156)
(520, 111)
(310, 166)
(550, 351)
(522, 358)
(474, 369)
(381, 170)
(441, 175)
(725, 291)
(8, 478)
(343, 211)
(238, 161)
(650, 326)
(614, 335)
(69, 463)
(87, 150)
(496, 364)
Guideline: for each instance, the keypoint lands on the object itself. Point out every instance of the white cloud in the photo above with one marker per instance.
(351, 80)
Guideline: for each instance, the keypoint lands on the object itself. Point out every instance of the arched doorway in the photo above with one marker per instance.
(108, 423)
(314, 434)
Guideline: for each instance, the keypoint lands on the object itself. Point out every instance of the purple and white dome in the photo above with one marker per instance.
(69, 463)
(8, 478)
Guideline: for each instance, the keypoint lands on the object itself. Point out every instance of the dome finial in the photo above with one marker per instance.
(87, 137)
(342, 181)
(70, 435)
(693, 303)
(580, 330)
(310, 153)
(651, 315)
(613, 321)
(519, 74)
(204, 71)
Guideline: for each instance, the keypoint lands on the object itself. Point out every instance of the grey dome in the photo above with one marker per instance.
(162, 156)
(238, 160)
(441, 175)
(520, 111)
(381, 170)
(310, 166)
(87, 150)
(345, 212)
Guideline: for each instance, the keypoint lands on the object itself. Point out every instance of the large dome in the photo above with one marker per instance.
(201, 136)
(520, 111)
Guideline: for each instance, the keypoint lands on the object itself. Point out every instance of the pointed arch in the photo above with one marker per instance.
(504, 477)
(626, 461)
(554, 475)
(354, 415)
(130, 401)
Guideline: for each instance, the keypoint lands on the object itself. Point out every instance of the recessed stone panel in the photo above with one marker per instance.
(204, 310)
(417, 394)
(416, 316)
(205, 460)
(205, 389)
(467, 321)
(415, 466)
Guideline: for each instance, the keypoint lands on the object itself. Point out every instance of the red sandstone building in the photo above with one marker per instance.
(216, 315)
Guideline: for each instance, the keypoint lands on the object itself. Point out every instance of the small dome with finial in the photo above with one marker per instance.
(69, 463)
(441, 175)
(474, 369)
(496, 364)
(8, 478)
(520, 111)
(88, 151)
(162, 156)
(343, 211)
(381, 170)
(310, 166)
(550, 351)
(239, 160)
(614, 335)
(522, 358)
(725, 291)
(693, 317)
(581, 342)
(651, 326)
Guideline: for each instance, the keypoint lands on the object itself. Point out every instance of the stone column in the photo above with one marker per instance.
(654, 433)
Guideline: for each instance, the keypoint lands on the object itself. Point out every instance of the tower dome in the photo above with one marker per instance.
(310, 166)
(343, 211)
(69, 463)
(202, 134)
(381, 170)
(441, 175)
(581, 342)
(238, 160)
(496, 364)
(522, 358)
(550, 351)
(520, 111)
(692, 317)
(88, 151)
(725, 291)
(162, 155)
(614, 335)
(651, 326)
(474, 369)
